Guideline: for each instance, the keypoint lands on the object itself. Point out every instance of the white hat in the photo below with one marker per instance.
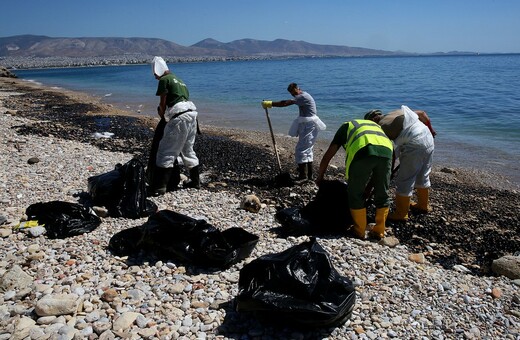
(159, 66)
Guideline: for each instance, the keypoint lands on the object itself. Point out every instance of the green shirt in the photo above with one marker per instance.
(174, 88)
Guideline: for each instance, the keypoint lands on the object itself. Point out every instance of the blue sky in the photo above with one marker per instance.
(422, 26)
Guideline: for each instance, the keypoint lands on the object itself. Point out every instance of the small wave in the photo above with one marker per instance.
(33, 81)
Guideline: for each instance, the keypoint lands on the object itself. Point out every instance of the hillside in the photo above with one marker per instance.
(43, 46)
(36, 51)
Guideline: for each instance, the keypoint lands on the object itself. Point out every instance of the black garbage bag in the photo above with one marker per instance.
(328, 212)
(293, 223)
(63, 219)
(170, 235)
(122, 191)
(298, 287)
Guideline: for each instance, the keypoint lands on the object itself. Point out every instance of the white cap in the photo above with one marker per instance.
(159, 66)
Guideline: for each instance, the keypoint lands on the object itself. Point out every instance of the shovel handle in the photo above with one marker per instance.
(274, 141)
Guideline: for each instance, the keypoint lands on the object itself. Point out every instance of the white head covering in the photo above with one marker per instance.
(159, 66)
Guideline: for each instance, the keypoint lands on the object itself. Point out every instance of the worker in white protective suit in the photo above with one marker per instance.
(306, 127)
(180, 116)
(412, 135)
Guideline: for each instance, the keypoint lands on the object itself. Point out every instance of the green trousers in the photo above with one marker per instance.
(360, 172)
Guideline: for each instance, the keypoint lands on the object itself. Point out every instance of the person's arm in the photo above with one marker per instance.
(324, 164)
(267, 104)
(283, 103)
(423, 117)
(161, 109)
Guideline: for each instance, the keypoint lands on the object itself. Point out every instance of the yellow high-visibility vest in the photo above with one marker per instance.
(361, 133)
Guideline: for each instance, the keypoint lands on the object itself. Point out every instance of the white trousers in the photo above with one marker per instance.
(178, 140)
(414, 169)
(307, 133)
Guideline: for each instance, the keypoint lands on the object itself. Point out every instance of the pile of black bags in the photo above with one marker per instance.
(122, 191)
(63, 219)
(172, 236)
(297, 287)
(327, 213)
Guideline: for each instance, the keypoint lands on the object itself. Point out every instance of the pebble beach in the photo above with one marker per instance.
(75, 288)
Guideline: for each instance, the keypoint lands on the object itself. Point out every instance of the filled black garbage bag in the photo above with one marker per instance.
(63, 219)
(170, 235)
(126, 242)
(297, 287)
(157, 136)
(122, 191)
(328, 212)
(293, 222)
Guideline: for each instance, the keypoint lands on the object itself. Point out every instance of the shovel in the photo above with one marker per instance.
(283, 179)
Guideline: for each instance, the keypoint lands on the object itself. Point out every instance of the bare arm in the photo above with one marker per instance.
(324, 164)
(423, 117)
(161, 109)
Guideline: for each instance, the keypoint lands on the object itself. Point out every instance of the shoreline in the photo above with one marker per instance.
(435, 283)
(485, 175)
(452, 150)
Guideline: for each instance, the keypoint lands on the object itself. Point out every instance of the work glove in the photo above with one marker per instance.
(267, 104)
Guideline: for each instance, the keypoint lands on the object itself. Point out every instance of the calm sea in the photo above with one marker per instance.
(473, 101)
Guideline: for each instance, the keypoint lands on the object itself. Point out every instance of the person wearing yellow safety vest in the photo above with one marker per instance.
(368, 155)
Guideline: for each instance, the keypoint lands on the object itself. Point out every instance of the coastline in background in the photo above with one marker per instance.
(472, 100)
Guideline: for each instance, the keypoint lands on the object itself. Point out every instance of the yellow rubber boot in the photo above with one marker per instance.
(423, 201)
(379, 229)
(360, 222)
(402, 205)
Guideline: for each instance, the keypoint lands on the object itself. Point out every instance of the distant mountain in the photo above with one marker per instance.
(43, 46)
(281, 47)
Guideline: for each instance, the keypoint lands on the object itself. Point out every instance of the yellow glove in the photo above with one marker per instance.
(267, 104)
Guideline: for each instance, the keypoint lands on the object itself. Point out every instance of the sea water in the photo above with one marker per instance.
(473, 101)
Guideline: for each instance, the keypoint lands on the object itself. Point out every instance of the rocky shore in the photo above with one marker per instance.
(431, 278)
(19, 62)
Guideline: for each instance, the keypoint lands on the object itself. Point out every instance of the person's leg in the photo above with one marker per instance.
(303, 151)
(302, 171)
(175, 178)
(188, 154)
(161, 178)
(359, 175)
(410, 161)
(381, 181)
(309, 170)
(310, 158)
(422, 184)
(171, 144)
(167, 151)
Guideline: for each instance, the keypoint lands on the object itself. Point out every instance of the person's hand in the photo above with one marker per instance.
(267, 104)
(159, 112)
